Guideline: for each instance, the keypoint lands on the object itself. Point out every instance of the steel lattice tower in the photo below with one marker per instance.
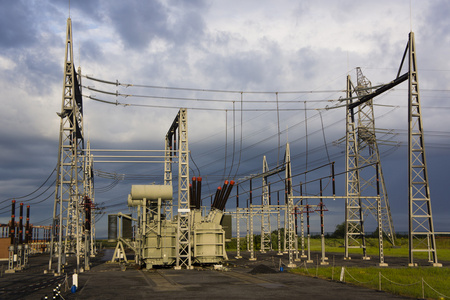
(266, 241)
(168, 160)
(290, 226)
(368, 158)
(67, 223)
(179, 125)
(354, 217)
(421, 230)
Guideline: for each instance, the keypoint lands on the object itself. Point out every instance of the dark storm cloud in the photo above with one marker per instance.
(16, 19)
(305, 62)
(243, 70)
(91, 51)
(437, 19)
(18, 151)
(138, 23)
(87, 8)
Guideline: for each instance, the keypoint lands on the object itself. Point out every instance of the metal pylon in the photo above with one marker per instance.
(354, 221)
(421, 230)
(168, 160)
(368, 158)
(290, 228)
(183, 249)
(266, 242)
(66, 231)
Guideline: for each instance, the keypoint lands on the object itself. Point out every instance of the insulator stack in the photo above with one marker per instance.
(27, 226)
(227, 194)
(192, 193)
(195, 191)
(87, 211)
(237, 196)
(12, 232)
(222, 195)
(21, 223)
(198, 199)
(216, 197)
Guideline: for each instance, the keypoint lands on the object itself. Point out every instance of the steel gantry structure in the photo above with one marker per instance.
(421, 229)
(177, 137)
(67, 220)
(73, 225)
(368, 154)
(363, 168)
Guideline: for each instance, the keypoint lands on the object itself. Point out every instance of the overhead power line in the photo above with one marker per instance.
(117, 103)
(117, 94)
(117, 83)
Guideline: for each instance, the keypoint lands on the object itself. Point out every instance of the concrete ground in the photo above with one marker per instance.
(240, 279)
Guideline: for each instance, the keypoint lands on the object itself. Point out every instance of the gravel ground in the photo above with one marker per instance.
(240, 278)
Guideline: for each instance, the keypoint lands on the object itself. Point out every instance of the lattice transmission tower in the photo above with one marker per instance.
(266, 240)
(177, 135)
(67, 220)
(354, 216)
(369, 155)
(421, 228)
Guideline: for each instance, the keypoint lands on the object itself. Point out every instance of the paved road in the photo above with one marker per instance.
(241, 279)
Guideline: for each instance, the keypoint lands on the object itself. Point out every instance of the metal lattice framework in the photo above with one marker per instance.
(368, 158)
(179, 125)
(421, 231)
(168, 159)
(354, 223)
(67, 222)
(290, 210)
(266, 242)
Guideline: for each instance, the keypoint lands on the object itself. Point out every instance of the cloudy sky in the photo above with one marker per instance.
(235, 62)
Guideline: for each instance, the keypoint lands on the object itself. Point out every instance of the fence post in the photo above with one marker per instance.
(342, 278)
(379, 281)
(423, 290)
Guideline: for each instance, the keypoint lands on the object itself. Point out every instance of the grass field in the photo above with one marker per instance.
(421, 282)
(336, 245)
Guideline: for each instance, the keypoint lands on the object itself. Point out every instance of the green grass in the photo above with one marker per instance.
(336, 245)
(407, 281)
(401, 281)
(401, 249)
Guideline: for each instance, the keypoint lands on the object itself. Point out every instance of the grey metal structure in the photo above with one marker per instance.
(290, 210)
(179, 125)
(421, 229)
(354, 223)
(156, 239)
(67, 223)
(266, 242)
(368, 155)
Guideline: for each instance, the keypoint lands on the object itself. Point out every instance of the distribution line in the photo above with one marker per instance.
(190, 108)
(117, 83)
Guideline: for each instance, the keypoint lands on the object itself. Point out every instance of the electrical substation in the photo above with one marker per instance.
(176, 227)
